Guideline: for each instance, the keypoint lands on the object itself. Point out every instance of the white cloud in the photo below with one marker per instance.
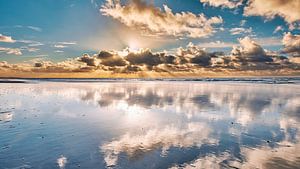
(14, 51)
(41, 55)
(287, 9)
(291, 44)
(67, 43)
(277, 29)
(243, 22)
(7, 39)
(35, 28)
(238, 31)
(217, 44)
(29, 49)
(250, 51)
(223, 3)
(269, 41)
(60, 46)
(30, 42)
(32, 49)
(155, 21)
(64, 44)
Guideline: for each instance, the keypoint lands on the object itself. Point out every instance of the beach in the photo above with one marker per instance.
(96, 123)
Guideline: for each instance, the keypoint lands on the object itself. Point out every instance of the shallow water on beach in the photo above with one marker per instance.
(149, 124)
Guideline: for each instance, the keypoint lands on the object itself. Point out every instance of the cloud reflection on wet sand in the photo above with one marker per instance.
(193, 134)
(226, 124)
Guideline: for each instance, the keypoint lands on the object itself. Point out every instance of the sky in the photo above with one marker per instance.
(64, 30)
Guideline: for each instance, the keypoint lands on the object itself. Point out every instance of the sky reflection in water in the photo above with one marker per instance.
(149, 125)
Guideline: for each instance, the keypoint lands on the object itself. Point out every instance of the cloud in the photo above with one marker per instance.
(155, 21)
(7, 39)
(60, 46)
(105, 58)
(31, 43)
(35, 28)
(291, 44)
(237, 31)
(68, 66)
(223, 3)
(195, 55)
(32, 49)
(13, 51)
(243, 22)
(269, 41)
(36, 44)
(145, 57)
(277, 29)
(217, 44)
(111, 59)
(129, 57)
(287, 9)
(250, 51)
(90, 61)
(248, 57)
(67, 43)
(29, 49)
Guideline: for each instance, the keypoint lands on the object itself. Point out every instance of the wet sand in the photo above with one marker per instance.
(150, 124)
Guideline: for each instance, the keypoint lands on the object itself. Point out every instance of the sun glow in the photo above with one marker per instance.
(133, 44)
